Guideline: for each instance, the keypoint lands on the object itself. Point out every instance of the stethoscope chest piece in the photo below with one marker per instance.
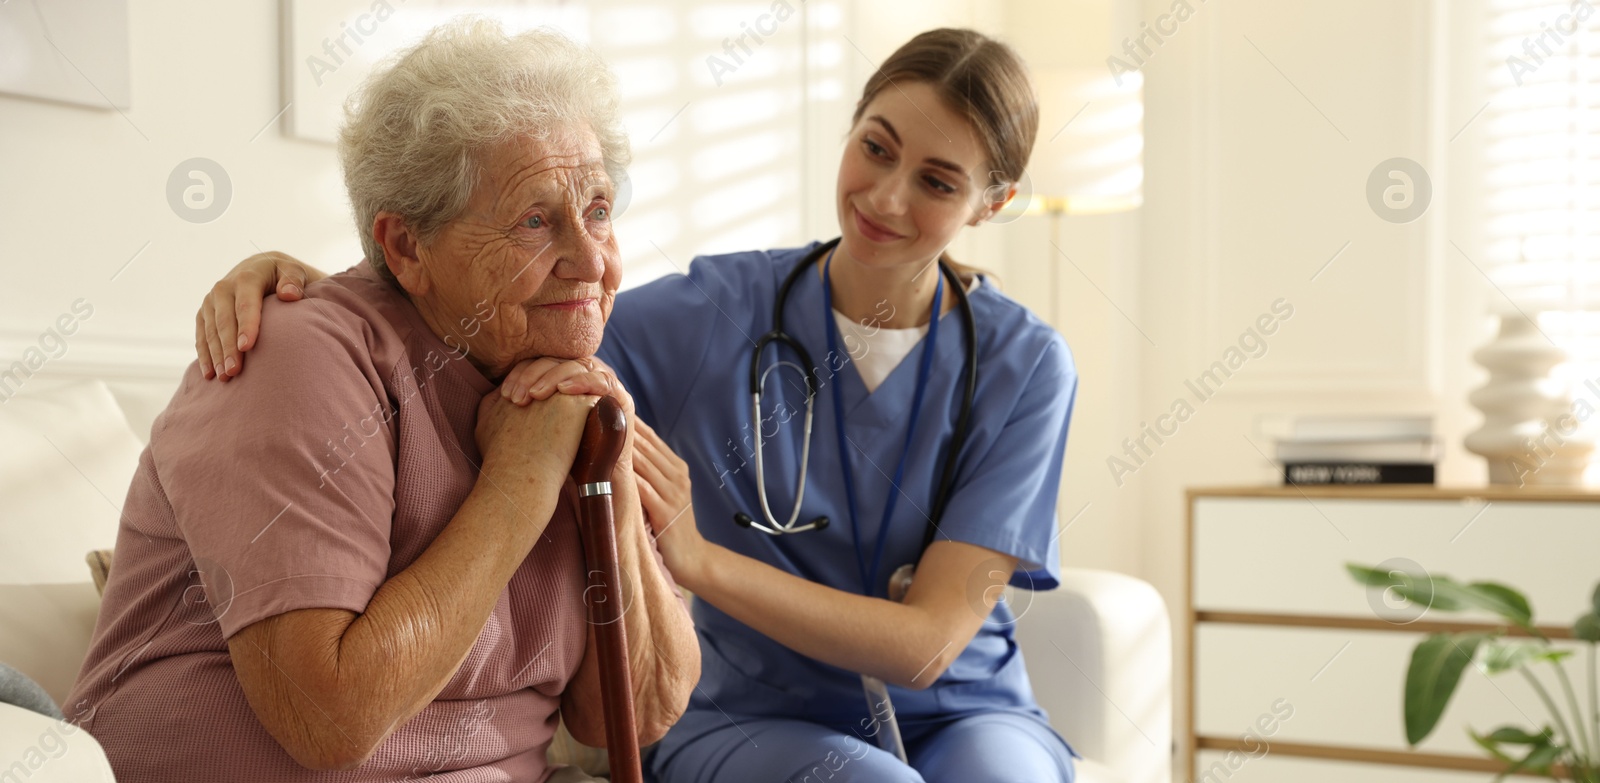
(744, 520)
(900, 582)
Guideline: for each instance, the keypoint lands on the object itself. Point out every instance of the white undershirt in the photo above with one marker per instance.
(876, 351)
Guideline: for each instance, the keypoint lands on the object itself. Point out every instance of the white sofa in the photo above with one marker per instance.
(1098, 650)
(36, 748)
(1099, 654)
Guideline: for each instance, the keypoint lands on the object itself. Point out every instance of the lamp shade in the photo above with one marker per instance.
(1089, 157)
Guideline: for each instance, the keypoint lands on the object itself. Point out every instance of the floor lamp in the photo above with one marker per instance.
(1088, 159)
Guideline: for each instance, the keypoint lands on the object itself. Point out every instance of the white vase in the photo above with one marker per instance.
(1529, 435)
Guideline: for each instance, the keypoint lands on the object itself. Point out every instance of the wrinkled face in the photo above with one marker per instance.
(531, 267)
(914, 172)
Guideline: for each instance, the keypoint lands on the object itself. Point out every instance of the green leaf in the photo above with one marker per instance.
(1446, 595)
(1540, 758)
(1498, 599)
(1540, 752)
(1596, 598)
(1432, 592)
(1587, 627)
(1487, 742)
(1503, 655)
(1436, 666)
(1502, 600)
(1440, 593)
(1511, 735)
(1371, 577)
(1418, 589)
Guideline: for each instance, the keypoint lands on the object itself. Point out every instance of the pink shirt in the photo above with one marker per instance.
(306, 482)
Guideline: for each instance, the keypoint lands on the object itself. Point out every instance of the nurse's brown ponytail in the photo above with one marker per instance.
(979, 78)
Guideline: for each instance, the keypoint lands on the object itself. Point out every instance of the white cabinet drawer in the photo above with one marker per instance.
(1287, 555)
(1345, 688)
(1270, 768)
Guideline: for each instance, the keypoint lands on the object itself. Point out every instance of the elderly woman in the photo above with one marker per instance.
(360, 563)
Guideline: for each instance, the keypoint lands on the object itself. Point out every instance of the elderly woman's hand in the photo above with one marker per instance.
(534, 380)
(537, 379)
(533, 441)
(230, 317)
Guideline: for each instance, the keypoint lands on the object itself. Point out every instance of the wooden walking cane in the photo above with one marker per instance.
(603, 440)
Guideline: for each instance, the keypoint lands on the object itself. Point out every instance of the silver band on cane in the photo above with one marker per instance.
(595, 488)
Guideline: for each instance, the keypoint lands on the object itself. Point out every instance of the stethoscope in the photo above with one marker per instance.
(772, 526)
(877, 693)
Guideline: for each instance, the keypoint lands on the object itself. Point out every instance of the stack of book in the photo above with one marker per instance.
(1364, 450)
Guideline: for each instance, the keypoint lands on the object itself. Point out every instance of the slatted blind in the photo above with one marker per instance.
(715, 98)
(1543, 148)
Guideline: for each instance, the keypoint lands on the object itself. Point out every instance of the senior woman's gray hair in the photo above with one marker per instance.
(414, 133)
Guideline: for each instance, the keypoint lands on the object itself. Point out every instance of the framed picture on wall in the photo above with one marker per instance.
(74, 51)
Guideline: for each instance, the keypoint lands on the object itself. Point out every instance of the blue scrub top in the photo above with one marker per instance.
(682, 346)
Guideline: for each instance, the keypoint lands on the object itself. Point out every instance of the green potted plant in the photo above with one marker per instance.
(1567, 750)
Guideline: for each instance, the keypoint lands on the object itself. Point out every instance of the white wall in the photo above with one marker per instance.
(1263, 122)
(84, 189)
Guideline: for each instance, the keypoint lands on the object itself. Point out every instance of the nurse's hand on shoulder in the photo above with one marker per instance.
(229, 320)
(664, 491)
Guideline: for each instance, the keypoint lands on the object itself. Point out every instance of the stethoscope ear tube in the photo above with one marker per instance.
(947, 478)
(773, 526)
(780, 339)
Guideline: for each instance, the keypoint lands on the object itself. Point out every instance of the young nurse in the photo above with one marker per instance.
(791, 624)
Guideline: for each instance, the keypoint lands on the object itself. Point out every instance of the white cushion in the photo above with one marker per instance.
(64, 473)
(69, 457)
(142, 399)
(38, 749)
